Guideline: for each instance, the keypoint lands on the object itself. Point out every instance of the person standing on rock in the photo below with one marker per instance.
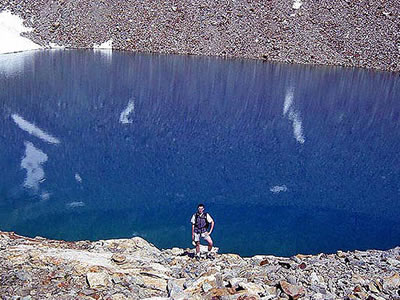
(201, 222)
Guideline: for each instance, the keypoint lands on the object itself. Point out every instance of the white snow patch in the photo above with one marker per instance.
(297, 127)
(34, 130)
(76, 204)
(124, 116)
(106, 45)
(288, 101)
(293, 116)
(11, 27)
(32, 162)
(297, 4)
(278, 188)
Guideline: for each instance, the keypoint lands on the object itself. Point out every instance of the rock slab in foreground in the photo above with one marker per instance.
(38, 268)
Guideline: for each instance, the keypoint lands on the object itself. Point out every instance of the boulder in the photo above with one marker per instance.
(252, 288)
(392, 282)
(235, 282)
(155, 283)
(294, 291)
(98, 280)
(119, 259)
(177, 251)
(197, 285)
(175, 288)
(393, 262)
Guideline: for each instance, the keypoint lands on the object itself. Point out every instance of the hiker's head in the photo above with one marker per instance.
(200, 208)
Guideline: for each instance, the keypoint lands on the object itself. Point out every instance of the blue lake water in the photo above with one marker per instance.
(287, 159)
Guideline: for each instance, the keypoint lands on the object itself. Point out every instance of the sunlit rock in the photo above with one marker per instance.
(294, 291)
(98, 279)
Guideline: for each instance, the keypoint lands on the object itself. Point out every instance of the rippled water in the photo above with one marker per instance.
(287, 159)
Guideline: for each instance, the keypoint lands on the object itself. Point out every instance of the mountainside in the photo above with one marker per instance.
(346, 33)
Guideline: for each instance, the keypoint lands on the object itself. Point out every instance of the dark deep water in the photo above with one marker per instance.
(288, 159)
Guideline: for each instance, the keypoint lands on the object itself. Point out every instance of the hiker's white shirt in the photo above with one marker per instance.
(209, 219)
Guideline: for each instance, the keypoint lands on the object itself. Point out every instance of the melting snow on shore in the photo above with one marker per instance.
(11, 27)
(105, 46)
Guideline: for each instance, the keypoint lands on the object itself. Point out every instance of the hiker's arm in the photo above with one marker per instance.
(192, 231)
(212, 227)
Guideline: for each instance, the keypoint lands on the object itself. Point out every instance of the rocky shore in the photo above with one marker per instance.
(38, 268)
(345, 32)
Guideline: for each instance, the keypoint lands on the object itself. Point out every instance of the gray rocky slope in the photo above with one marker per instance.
(344, 32)
(38, 268)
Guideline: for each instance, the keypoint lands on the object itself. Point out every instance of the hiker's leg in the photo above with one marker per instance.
(210, 242)
(197, 241)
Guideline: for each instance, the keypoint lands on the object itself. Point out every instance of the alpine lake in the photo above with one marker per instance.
(286, 158)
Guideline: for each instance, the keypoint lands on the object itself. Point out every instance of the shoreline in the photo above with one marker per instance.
(40, 268)
(310, 32)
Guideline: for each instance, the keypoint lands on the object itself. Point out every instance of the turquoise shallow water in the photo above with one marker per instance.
(287, 159)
